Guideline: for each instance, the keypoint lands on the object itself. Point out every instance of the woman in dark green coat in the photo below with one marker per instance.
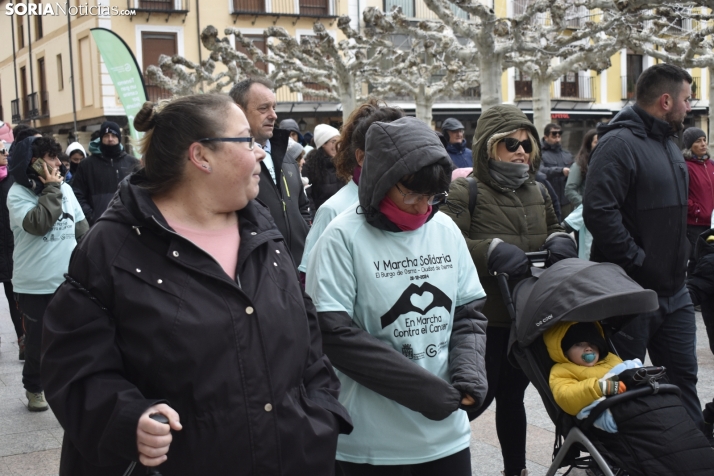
(513, 215)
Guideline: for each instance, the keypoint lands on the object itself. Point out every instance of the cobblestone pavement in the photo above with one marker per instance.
(30, 442)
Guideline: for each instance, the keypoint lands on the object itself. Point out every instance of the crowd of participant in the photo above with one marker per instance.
(248, 300)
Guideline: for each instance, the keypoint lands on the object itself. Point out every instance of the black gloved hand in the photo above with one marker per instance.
(561, 246)
(505, 258)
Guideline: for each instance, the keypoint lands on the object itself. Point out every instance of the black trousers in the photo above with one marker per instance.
(458, 464)
(693, 232)
(15, 315)
(507, 385)
(32, 307)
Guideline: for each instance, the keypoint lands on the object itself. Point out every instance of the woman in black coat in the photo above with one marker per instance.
(183, 300)
(7, 245)
(319, 167)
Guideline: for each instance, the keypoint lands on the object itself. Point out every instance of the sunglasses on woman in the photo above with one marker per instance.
(512, 145)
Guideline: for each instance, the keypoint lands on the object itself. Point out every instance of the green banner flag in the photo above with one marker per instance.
(124, 71)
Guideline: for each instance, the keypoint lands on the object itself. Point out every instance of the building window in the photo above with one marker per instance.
(38, 27)
(314, 7)
(153, 45)
(407, 6)
(44, 98)
(85, 72)
(60, 73)
(260, 43)
(20, 31)
(23, 93)
(252, 6)
(523, 85)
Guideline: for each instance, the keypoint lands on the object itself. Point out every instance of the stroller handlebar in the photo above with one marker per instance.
(538, 256)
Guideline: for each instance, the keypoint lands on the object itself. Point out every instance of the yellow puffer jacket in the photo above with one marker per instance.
(574, 386)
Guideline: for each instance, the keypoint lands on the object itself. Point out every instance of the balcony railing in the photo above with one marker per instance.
(580, 87)
(628, 88)
(44, 103)
(310, 8)
(156, 93)
(524, 89)
(32, 106)
(167, 6)
(696, 87)
(15, 107)
(418, 9)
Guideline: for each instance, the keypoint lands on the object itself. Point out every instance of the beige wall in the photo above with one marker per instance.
(95, 96)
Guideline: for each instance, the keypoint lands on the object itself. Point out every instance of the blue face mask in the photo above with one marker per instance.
(589, 357)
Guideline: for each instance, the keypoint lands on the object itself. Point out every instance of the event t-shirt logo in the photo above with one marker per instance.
(420, 299)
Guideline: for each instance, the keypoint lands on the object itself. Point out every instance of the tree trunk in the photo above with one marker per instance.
(348, 96)
(541, 103)
(424, 104)
(490, 81)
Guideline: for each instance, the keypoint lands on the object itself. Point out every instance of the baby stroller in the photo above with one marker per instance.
(582, 291)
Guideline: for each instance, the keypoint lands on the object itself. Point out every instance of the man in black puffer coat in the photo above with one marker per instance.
(98, 176)
(635, 206)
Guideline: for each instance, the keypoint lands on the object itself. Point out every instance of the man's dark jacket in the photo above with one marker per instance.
(554, 160)
(635, 201)
(287, 201)
(97, 179)
(240, 359)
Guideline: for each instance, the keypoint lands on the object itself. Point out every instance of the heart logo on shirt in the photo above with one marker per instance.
(421, 301)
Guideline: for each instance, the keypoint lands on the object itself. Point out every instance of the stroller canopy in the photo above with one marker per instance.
(579, 291)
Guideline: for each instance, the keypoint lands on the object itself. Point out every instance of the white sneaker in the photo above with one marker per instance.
(36, 401)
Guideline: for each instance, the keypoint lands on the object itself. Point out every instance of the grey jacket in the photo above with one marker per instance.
(394, 150)
(574, 186)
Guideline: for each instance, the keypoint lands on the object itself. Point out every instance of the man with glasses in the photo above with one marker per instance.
(556, 164)
(635, 206)
(281, 188)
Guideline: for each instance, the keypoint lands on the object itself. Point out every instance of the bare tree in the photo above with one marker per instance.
(425, 65)
(680, 34)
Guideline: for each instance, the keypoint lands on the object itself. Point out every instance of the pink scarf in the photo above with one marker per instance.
(405, 221)
(3, 172)
(356, 174)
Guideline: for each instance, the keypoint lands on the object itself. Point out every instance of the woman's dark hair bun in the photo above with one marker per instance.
(145, 118)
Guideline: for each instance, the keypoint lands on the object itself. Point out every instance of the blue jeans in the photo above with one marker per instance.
(670, 336)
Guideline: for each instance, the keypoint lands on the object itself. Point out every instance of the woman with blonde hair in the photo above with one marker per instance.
(513, 214)
(182, 301)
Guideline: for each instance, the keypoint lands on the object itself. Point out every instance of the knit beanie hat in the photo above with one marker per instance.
(451, 124)
(109, 126)
(584, 332)
(294, 150)
(691, 135)
(323, 133)
(290, 125)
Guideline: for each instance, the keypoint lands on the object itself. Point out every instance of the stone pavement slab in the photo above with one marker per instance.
(30, 442)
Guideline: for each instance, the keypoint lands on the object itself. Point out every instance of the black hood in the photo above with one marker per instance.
(19, 163)
(394, 150)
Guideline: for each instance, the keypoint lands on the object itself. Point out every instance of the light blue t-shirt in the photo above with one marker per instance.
(336, 204)
(403, 289)
(39, 262)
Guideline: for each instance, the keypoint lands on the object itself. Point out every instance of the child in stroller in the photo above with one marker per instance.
(655, 435)
(582, 361)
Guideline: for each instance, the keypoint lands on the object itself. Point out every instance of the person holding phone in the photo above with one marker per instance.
(46, 221)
